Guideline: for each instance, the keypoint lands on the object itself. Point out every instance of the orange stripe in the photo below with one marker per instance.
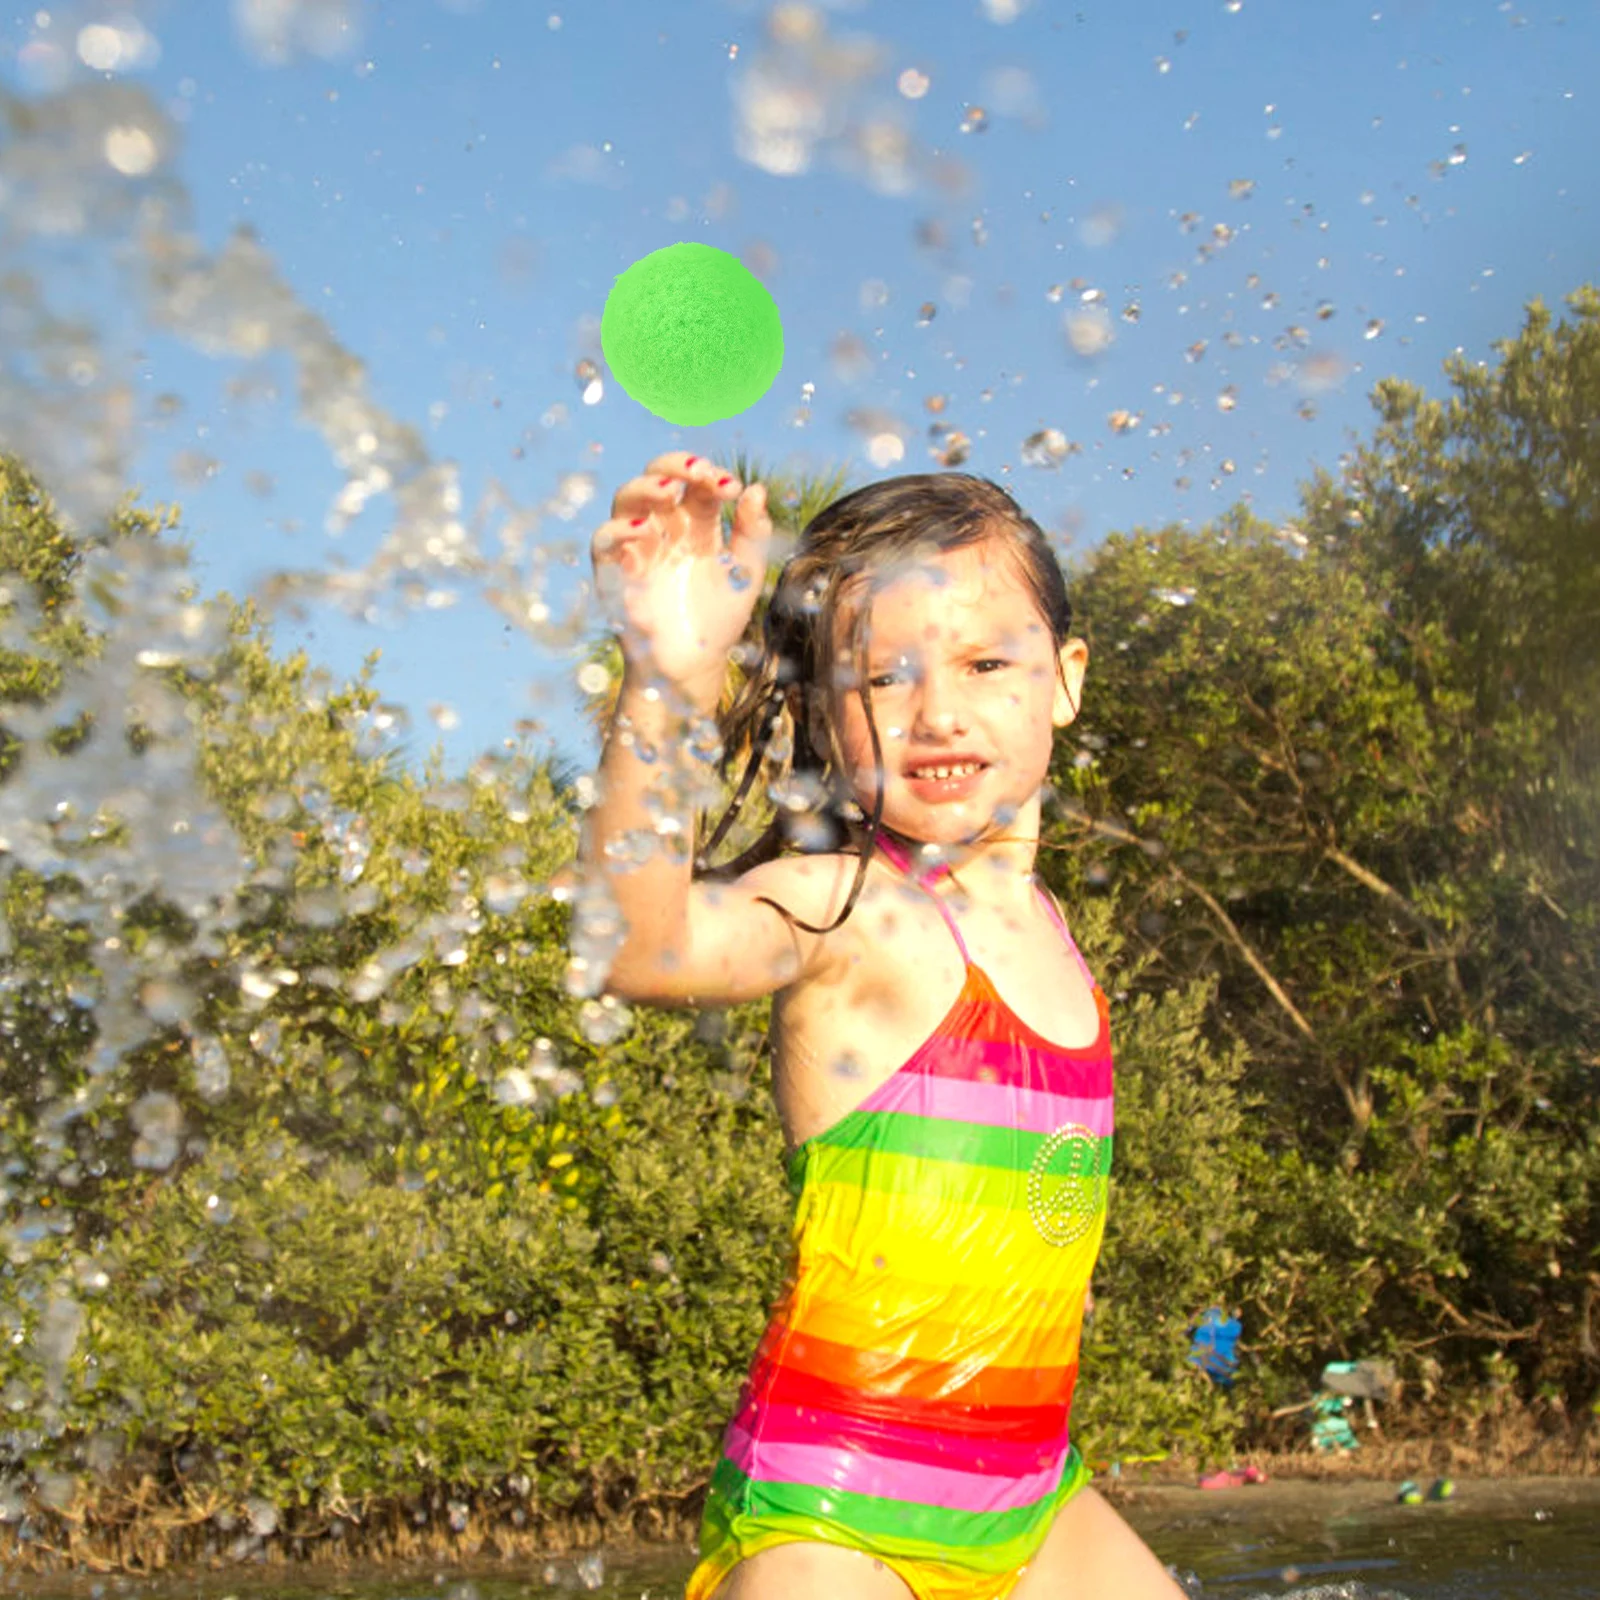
(1038, 1328)
(783, 1356)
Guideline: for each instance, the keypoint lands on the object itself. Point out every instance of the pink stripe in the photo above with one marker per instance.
(925, 1447)
(994, 1105)
(822, 1467)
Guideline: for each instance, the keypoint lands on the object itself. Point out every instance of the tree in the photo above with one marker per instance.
(1332, 764)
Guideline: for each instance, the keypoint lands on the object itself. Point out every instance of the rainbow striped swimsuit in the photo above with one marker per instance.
(911, 1394)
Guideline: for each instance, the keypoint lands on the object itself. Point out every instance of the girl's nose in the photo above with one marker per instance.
(939, 703)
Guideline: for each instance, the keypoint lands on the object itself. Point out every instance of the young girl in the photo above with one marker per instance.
(941, 1058)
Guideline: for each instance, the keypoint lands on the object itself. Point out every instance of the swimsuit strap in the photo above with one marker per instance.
(923, 876)
(1072, 944)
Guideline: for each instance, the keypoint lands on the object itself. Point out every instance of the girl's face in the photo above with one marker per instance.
(963, 674)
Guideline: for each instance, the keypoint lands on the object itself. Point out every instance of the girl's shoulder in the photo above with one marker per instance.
(815, 889)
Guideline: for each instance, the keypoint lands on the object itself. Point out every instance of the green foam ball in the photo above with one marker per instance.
(691, 334)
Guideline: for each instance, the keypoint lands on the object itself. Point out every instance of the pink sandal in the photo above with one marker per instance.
(1232, 1478)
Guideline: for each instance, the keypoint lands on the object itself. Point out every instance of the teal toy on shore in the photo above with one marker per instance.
(1330, 1427)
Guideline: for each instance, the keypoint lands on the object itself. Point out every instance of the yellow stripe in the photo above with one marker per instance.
(975, 1327)
(911, 1237)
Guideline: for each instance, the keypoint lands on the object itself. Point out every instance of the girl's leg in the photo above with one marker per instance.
(1090, 1553)
(811, 1571)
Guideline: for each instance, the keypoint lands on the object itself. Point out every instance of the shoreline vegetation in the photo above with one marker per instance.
(357, 1217)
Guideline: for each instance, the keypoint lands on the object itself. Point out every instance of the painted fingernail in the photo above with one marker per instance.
(663, 483)
(690, 462)
(638, 522)
(723, 482)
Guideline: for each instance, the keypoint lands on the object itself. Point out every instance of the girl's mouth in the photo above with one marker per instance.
(953, 780)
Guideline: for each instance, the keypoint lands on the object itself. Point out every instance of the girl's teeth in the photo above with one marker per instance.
(947, 772)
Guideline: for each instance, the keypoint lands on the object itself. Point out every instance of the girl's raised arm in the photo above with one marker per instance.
(680, 600)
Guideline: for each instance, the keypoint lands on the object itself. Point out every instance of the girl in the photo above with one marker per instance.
(941, 1059)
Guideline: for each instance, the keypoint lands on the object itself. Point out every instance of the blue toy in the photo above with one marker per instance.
(1213, 1348)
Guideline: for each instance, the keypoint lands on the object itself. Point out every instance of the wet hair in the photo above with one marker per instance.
(847, 551)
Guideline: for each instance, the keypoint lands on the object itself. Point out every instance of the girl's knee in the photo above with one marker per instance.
(1092, 1553)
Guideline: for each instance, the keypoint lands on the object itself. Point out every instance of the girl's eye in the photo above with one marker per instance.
(886, 680)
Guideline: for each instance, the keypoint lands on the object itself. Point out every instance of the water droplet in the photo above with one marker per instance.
(158, 1121)
(131, 150)
(593, 677)
(1089, 331)
(1047, 448)
(118, 46)
(514, 1087)
(604, 1021)
(504, 892)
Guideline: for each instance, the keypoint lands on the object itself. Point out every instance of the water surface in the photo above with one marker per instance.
(1530, 1539)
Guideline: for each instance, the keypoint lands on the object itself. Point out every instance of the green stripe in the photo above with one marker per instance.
(895, 1153)
(892, 1525)
(989, 1541)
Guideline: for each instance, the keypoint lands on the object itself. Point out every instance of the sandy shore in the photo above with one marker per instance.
(1154, 1506)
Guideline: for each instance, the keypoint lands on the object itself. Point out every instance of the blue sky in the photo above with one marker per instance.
(453, 186)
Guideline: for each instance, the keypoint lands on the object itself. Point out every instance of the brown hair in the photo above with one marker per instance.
(857, 541)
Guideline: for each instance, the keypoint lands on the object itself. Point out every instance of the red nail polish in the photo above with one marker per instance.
(723, 482)
(663, 483)
(690, 462)
(638, 522)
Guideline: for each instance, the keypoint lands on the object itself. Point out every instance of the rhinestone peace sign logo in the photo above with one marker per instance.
(1066, 1188)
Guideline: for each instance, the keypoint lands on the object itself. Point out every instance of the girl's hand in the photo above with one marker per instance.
(679, 598)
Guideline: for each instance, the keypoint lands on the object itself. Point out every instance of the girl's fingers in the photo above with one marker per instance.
(640, 497)
(752, 528)
(642, 513)
(677, 462)
(669, 480)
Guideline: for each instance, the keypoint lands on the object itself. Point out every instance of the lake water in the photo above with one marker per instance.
(1523, 1540)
